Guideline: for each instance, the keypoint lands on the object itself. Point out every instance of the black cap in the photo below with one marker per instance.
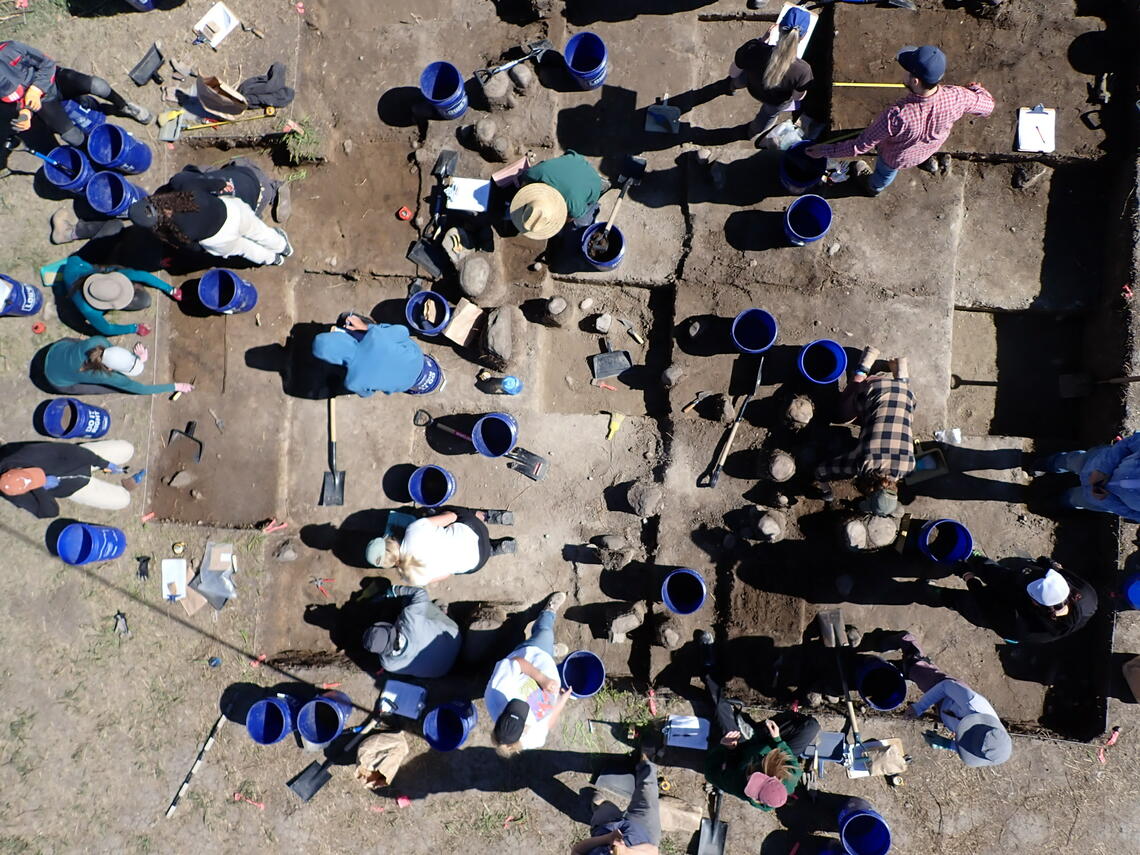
(509, 726)
(380, 637)
(142, 214)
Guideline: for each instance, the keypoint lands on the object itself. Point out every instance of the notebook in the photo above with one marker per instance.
(1036, 129)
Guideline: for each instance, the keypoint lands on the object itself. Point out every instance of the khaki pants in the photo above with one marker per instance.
(100, 494)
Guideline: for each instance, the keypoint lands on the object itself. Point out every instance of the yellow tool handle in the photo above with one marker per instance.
(332, 419)
(871, 85)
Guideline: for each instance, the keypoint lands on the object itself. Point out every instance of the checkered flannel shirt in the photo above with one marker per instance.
(884, 409)
(913, 128)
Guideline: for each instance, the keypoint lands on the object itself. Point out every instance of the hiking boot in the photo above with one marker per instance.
(863, 178)
(945, 164)
(708, 651)
(137, 112)
(288, 250)
(506, 546)
(561, 651)
(554, 602)
(499, 517)
(929, 165)
(63, 224)
(1033, 464)
(283, 204)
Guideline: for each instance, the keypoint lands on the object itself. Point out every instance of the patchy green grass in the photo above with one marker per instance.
(31, 24)
(490, 823)
(12, 845)
(305, 145)
(630, 708)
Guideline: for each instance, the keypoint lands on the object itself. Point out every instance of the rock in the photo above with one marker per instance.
(704, 156)
(831, 699)
(720, 407)
(497, 90)
(347, 146)
(668, 637)
(780, 466)
(522, 75)
(603, 322)
(612, 541)
(285, 552)
(694, 330)
(500, 150)
(627, 622)
(498, 344)
(474, 276)
(854, 534)
(814, 699)
(458, 245)
(586, 304)
(536, 266)
(1026, 175)
(881, 531)
(799, 413)
(677, 816)
(614, 560)
(772, 526)
(782, 501)
(181, 479)
(672, 375)
(196, 495)
(645, 498)
(854, 636)
(834, 248)
(485, 130)
(558, 313)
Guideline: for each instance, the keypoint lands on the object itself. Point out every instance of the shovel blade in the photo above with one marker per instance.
(332, 489)
(309, 782)
(713, 837)
(831, 627)
(532, 465)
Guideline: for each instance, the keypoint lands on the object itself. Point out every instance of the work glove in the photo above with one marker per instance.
(115, 468)
(50, 482)
(23, 120)
(142, 329)
(33, 98)
(176, 295)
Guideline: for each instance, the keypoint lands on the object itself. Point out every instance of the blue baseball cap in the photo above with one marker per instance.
(796, 19)
(927, 63)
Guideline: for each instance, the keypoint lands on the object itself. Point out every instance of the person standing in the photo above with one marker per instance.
(774, 73)
(94, 366)
(1109, 476)
(980, 739)
(33, 475)
(554, 190)
(421, 642)
(33, 81)
(96, 290)
(524, 696)
(637, 830)
(1031, 602)
(884, 408)
(913, 129)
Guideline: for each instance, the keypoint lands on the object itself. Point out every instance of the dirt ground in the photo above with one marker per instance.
(991, 290)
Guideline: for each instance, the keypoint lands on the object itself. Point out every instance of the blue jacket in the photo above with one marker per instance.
(384, 360)
(1121, 463)
(69, 282)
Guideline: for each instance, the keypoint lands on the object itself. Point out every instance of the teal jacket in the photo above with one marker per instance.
(573, 177)
(72, 274)
(65, 358)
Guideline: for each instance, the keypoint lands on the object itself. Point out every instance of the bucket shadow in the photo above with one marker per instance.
(52, 533)
(755, 231)
(442, 442)
(402, 107)
(582, 13)
(395, 483)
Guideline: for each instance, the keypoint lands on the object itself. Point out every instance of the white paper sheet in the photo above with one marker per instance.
(1036, 129)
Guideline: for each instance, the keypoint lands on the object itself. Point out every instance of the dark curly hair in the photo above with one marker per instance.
(165, 206)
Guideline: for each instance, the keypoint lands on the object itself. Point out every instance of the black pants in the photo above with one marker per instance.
(72, 85)
(796, 729)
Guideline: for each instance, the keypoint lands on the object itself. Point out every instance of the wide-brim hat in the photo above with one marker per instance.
(538, 211)
(106, 291)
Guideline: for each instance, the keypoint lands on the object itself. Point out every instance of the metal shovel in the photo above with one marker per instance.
(1081, 385)
(631, 174)
(610, 362)
(533, 50)
(833, 633)
(332, 489)
(714, 833)
(187, 434)
(316, 775)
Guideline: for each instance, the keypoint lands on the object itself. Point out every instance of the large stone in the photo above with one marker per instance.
(626, 622)
(645, 498)
(485, 130)
(881, 531)
(474, 276)
(500, 348)
(497, 90)
(522, 75)
(772, 526)
(286, 551)
(672, 375)
(799, 412)
(854, 534)
(779, 467)
(182, 479)
(677, 816)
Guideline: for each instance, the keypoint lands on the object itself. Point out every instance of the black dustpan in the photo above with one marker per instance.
(316, 775)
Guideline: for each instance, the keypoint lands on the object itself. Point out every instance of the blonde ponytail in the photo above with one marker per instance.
(781, 58)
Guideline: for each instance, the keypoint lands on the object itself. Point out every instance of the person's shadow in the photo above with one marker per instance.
(302, 374)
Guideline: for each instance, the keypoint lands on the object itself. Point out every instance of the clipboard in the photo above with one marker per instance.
(803, 46)
(1037, 129)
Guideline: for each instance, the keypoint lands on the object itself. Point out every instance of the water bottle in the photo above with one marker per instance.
(509, 385)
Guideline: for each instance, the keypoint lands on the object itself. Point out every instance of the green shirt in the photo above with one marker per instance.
(75, 270)
(728, 769)
(573, 177)
(66, 357)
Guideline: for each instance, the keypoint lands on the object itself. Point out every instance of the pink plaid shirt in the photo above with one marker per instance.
(910, 130)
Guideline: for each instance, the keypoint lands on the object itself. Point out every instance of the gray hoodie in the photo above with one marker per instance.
(431, 639)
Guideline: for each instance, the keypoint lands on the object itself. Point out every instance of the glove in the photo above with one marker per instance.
(33, 98)
(23, 120)
(115, 468)
(142, 329)
(50, 482)
(176, 295)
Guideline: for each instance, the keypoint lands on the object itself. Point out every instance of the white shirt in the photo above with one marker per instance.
(509, 683)
(443, 550)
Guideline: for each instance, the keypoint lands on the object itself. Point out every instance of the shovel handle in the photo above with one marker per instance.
(332, 419)
(714, 476)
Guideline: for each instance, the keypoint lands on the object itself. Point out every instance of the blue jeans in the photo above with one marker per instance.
(881, 178)
(542, 635)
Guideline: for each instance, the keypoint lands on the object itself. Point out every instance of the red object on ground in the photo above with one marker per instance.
(256, 663)
(403, 801)
(652, 703)
(405, 213)
(238, 797)
(147, 517)
(39, 327)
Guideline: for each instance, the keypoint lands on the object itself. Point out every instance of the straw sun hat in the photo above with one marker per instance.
(538, 211)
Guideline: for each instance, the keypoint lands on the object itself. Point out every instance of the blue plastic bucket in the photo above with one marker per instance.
(442, 85)
(495, 434)
(225, 292)
(430, 379)
(76, 172)
(754, 331)
(615, 249)
(431, 486)
(1131, 590)
(22, 300)
(84, 116)
(70, 418)
(447, 726)
(807, 219)
(587, 60)
(271, 719)
(823, 361)
(414, 312)
(83, 543)
(798, 172)
(322, 719)
(683, 591)
(862, 831)
(582, 673)
(114, 148)
(140, 5)
(945, 541)
(110, 194)
(880, 684)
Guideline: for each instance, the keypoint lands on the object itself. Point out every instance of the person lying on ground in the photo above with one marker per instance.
(1032, 602)
(216, 212)
(33, 475)
(913, 129)
(883, 407)
(979, 736)
(94, 366)
(94, 290)
(453, 542)
(524, 696)
(774, 73)
(376, 357)
(36, 85)
(421, 642)
(637, 830)
(1109, 476)
(759, 764)
(554, 190)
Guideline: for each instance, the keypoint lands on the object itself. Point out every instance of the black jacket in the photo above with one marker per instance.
(1000, 592)
(70, 463)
